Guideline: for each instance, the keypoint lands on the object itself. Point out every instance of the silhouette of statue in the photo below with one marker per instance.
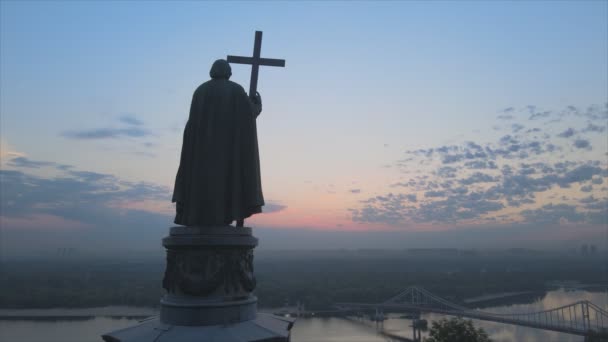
(218, 180)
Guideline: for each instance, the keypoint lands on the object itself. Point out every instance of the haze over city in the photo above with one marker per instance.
(393, 125)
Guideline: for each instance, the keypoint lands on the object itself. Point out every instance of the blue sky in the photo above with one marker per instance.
(366, 84)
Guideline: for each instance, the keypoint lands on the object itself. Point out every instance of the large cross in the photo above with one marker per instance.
(255, 62)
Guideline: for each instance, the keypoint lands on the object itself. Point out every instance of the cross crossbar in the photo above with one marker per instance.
(262, 61)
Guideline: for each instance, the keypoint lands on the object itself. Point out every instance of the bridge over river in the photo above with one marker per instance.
(580, 318)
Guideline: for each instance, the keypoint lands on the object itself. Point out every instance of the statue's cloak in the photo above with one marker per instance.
(218, 179)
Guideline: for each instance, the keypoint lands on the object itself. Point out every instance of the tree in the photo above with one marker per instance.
(456, 330)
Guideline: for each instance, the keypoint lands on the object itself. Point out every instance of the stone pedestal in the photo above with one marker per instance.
(209, 279)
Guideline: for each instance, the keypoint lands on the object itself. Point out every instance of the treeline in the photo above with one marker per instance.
(73, 283)
(319, 283)
(314, 281)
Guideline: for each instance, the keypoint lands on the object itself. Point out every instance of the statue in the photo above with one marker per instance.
(218, 180)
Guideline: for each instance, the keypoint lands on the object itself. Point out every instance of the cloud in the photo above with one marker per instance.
(94, 199)
(594, 112)
(582, 143)
(594, 128)
(20, 161)
(474, 182)
(92, 206)
(273, 208)
(391, 209)
(355, 191)
(454, 208)
(592, 203)
(107, 133)
(411, 182)
(478, 177)
(83, 196)
(28, 163)
(589, 199)
(134, 129)
(506, 114)
(538, 114)
(64, 167)
(7, 151)
(554, 213)
(454, 158)
(517, 127)
(434, 194)
(131, 119)
(581, 173)
(597, 209)
(88, 176)
(508, 147)
(388, 209)
(567, 133)
(596, 213)
(447, 172)
(480, 164)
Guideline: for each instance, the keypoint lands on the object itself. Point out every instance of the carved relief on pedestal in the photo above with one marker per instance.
(202, 272)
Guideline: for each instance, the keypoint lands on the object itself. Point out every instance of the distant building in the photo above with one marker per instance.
(469, 252)
(523, 251)
(592, 250)
(433, 251)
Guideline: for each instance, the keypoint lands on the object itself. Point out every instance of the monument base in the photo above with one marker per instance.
(209, 279)
(191, 311)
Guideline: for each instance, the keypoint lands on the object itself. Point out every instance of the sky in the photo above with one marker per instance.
(393, 124)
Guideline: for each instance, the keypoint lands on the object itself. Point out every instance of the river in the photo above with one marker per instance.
(86, 325)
